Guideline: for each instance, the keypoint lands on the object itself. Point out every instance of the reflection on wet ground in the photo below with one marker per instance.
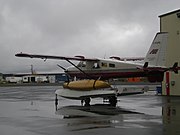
(91, 111)
(31, 111)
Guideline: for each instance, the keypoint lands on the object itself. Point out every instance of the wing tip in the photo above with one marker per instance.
(22, 55)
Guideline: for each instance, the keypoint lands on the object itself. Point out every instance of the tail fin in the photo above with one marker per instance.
(156, 54)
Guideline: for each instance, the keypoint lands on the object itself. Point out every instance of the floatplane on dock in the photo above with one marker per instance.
(96, 71)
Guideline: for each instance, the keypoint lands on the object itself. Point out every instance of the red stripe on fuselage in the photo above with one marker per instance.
(107, 75)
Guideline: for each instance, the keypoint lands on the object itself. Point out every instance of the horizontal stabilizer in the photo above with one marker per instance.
(145, 65)
(175, 68)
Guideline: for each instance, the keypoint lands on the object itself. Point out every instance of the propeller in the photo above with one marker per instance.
(68, 78)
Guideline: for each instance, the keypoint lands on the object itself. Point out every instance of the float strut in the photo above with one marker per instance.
(56, 102)
(87, 101)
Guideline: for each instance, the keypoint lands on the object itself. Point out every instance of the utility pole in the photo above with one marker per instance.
(32, 70)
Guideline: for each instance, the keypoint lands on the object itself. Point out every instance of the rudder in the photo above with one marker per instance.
(156, 55)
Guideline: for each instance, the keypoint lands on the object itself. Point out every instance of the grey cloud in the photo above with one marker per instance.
(70, 27)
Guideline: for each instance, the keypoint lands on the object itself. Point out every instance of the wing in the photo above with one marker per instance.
(45, 57)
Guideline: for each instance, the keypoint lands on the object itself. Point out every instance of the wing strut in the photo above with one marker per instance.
(61, 67)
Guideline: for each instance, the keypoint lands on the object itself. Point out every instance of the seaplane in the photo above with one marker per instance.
(97, 71)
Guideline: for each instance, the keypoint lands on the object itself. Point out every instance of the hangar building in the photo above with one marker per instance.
(170, 22)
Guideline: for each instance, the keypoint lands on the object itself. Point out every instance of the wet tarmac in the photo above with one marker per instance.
(31, 111)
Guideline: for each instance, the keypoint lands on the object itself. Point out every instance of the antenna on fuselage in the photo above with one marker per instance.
(105, 56)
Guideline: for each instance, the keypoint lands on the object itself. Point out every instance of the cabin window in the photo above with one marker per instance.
(104, 64)
(111, 65)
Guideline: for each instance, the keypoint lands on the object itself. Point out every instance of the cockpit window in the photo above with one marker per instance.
(82, 64)
(96, 65)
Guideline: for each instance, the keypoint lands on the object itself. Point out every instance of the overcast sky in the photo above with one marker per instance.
(93, 28)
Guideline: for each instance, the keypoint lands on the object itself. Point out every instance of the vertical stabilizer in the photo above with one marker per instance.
(156, 55)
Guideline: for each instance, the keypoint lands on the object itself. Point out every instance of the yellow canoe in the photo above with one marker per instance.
(86, 85)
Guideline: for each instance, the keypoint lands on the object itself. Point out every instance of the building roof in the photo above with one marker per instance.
(26, 74)
(169, 13)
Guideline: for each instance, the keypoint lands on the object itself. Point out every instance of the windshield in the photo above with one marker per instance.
(82, 64)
